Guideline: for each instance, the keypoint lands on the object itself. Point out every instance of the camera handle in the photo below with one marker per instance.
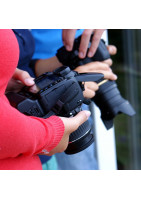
(85, 77)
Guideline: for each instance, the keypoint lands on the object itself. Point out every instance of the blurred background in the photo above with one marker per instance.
(127, 65)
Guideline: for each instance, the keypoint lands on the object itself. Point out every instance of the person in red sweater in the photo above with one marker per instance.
(23, 137)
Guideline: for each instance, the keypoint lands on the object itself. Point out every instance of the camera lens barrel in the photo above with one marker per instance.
(80, 139)
(110, 102)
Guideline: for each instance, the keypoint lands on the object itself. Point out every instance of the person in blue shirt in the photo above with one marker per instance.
(47, 42)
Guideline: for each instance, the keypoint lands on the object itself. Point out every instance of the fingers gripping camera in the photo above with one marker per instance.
(108, 97)
(60, 93)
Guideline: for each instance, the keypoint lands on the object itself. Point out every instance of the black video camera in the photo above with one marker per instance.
(108, 97)
(60, 93)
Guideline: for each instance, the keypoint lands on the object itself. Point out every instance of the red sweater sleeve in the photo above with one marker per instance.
(20, 134)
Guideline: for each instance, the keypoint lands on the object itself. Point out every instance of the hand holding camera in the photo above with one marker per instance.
(108, 97)
(19, 79)
(68, 36)
(60, 93)
(71, 125)
(95, 67)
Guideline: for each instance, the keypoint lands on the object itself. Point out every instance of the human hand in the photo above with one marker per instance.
(68, 36)
(20, 79)
(71, 124)
(112, 49)
(96, 67)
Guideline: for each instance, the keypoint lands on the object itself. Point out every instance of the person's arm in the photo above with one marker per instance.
(27, 135)
(46, 65)
(50, 64)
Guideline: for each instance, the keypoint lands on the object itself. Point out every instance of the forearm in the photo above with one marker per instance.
(46, 65)
(27, 135)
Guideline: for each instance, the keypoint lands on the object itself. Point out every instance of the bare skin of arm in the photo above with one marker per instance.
(49, 65)
(46, 65)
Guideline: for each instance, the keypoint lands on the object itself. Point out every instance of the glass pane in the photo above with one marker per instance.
(127, 65)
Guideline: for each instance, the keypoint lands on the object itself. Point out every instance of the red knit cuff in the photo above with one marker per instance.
(58, 129)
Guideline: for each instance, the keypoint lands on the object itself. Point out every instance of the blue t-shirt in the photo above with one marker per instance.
(48, 41)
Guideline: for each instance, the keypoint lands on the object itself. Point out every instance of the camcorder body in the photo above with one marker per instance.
(60, 93)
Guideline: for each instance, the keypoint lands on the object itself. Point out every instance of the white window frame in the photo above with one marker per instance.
(104, 140)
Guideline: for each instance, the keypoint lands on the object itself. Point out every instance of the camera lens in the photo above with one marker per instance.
(111, 103)
(80, 139)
